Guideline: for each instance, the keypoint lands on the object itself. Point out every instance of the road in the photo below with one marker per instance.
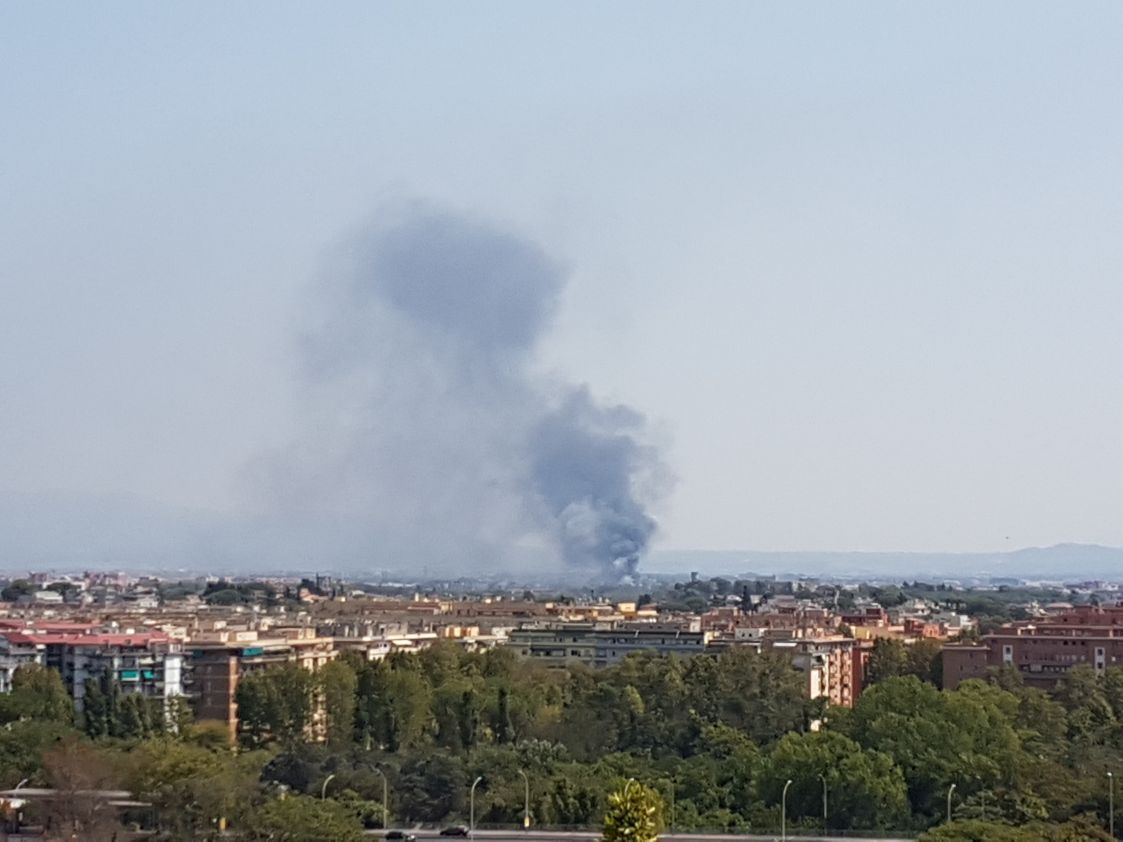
(594, 836)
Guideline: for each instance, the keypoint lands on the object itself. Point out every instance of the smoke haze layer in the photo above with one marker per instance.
(427, 437)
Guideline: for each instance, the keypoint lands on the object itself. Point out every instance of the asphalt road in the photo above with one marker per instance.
(594, 836)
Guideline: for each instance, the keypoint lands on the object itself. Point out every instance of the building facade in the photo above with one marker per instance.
(219, 661)
(601, 644)
(1043, 650)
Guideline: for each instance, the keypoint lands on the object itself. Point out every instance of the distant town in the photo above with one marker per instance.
(194, 639)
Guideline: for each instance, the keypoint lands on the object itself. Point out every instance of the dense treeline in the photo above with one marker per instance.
(990, 606)
(716, 736)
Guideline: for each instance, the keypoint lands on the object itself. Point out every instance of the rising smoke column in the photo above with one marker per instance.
(429, 437)
(584, 461)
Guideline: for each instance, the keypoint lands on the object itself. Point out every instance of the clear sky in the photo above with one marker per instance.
(861, 265)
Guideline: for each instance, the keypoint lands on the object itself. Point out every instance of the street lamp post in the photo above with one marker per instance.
(784, 811)
(526, 799)
(385, 796)
(1111, 804)
(472, 805)
(324, 788)
(823, 778)
(951, 789)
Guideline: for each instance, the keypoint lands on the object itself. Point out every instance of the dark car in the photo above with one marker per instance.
(455, 830)
(400, 836)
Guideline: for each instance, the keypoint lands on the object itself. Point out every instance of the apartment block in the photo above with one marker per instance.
(145, 663)
(219, 659)
(1044, 649)
(831, 666)
(601, 644)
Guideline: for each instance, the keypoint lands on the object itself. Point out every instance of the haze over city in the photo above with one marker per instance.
(562, 421)
(773, 279)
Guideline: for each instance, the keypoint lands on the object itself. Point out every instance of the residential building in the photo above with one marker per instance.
(219, 659)
(829, 666)
(599, 644)
(17, 649)
(147, 663)
(1042, 650)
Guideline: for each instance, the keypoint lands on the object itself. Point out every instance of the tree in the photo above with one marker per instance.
(468, 719)
(16, 589)
(888, 659)
(23, 745)
(571, 802)
(133, 720)
(503, 727)
(865, 788)
(895, 658)
(432, 787)
(78, 771)
(966, 736)
(178, 717)
(192, 786)
(975, 830)
(100, 706)
(276, 704)
(635, 814)
(37, 693)
(394, 705)
(1079, 829)
(1091, 717)
(302, 818)
(926, 662)
(338, 683)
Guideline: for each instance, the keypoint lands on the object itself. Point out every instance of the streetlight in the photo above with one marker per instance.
(823, 778)
(526, 799)
(951, 789)
(385, 796)
(1111, 804)
(472, 805)
(784, 811)
(324, 788)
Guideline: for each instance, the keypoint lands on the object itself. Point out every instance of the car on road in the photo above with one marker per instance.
(455, 830)
(400, 836)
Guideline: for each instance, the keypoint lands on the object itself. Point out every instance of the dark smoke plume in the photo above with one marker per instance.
(428, 437)
(584, 459)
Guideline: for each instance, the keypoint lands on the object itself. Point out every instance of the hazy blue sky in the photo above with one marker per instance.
(861, 265)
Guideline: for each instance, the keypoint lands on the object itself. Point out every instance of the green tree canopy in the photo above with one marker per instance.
(302, 818)
(865, 789)
(634, 814)
(276, 704)
(966, 737)
(37, 693)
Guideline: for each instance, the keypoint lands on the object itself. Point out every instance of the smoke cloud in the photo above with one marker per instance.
(427, 437)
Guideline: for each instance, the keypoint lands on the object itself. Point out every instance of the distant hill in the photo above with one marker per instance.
(59, 531)
(1063, 561)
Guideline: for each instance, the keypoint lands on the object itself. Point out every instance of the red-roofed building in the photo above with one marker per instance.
(147, 663)
(1045, 649)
